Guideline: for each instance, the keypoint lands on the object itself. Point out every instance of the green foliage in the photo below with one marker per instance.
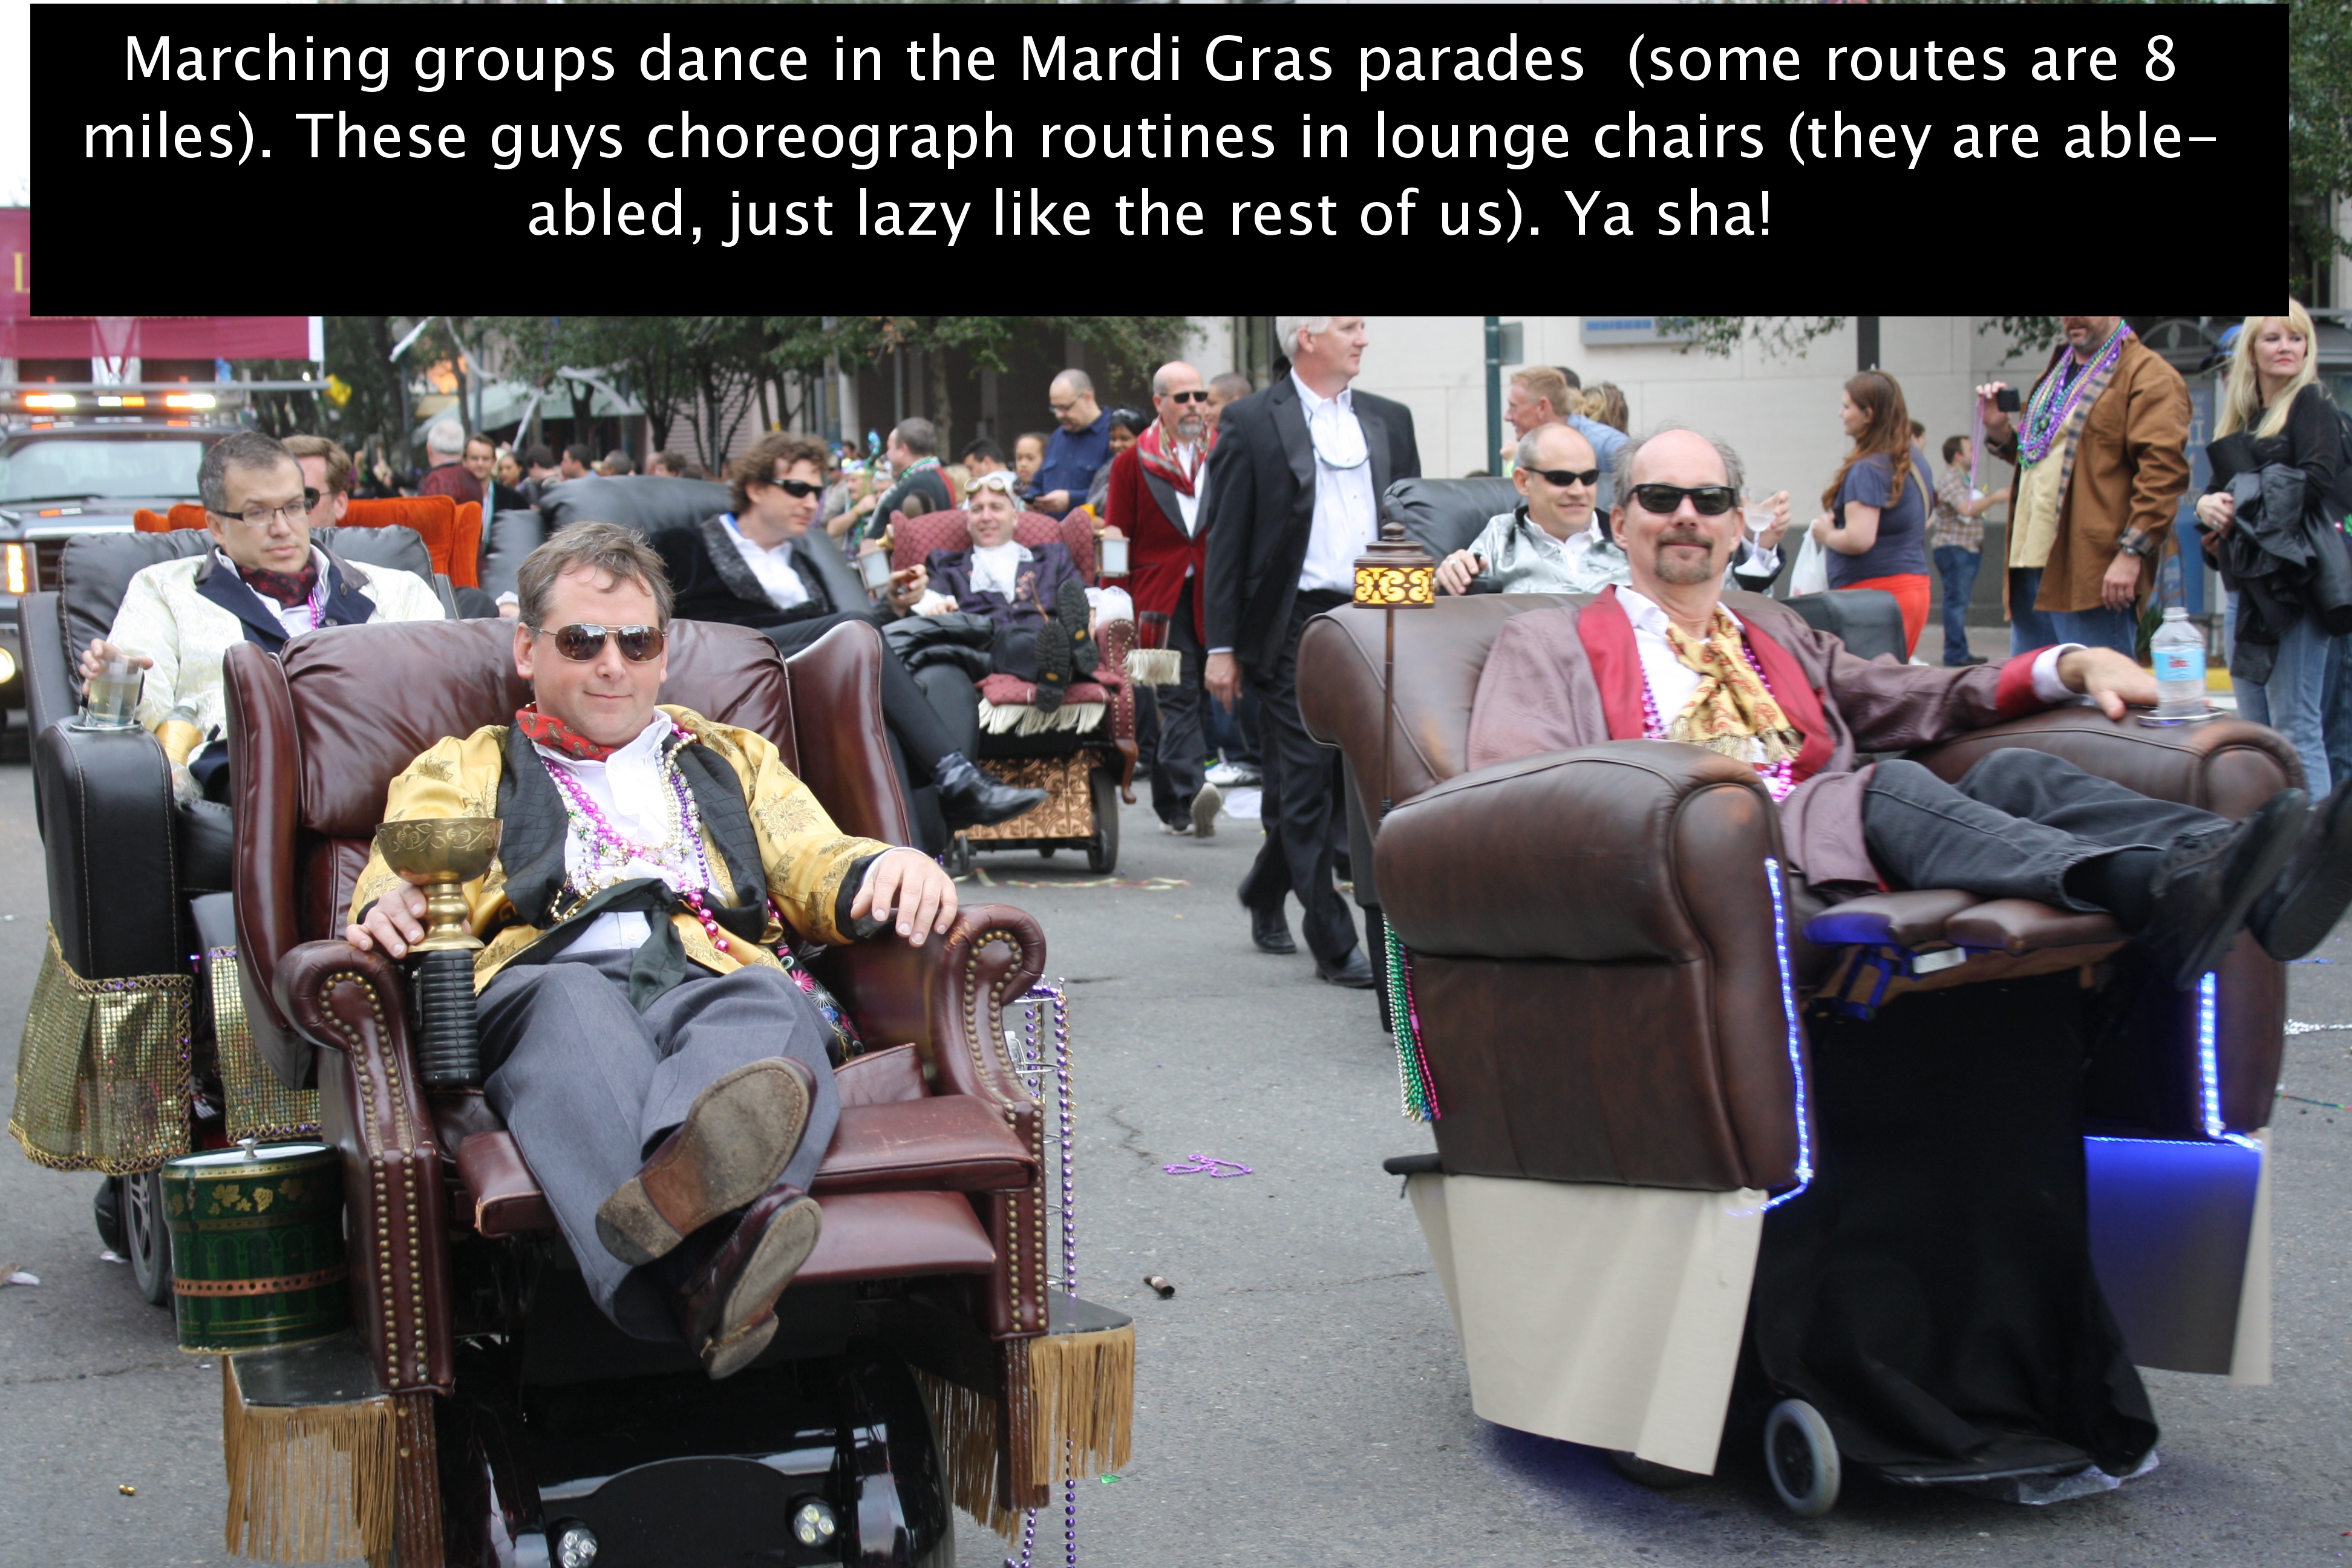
(1721, 336)
(2318, 136)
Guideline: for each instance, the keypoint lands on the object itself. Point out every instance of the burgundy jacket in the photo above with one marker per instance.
(1571, 676)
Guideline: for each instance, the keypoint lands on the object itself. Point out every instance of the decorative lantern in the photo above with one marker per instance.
(1112, 550)
(1394, 574)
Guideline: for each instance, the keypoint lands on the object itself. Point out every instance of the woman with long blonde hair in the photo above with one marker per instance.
(1876, 526)
(2274, 411)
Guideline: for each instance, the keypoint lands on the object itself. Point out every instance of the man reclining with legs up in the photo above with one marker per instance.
(664, 1075)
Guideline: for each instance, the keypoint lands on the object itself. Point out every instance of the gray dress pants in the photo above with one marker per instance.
(2013, 826)
(588, 1086)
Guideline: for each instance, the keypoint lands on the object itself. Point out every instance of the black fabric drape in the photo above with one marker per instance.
(1932, 1293)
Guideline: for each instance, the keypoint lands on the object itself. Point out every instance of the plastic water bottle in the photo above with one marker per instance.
(2179, 651)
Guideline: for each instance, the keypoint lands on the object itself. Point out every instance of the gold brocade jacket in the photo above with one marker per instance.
(804, 858)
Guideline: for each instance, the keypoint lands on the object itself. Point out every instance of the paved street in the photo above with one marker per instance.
(1302, 1401)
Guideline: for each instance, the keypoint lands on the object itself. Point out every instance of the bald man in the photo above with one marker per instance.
(1076, 450)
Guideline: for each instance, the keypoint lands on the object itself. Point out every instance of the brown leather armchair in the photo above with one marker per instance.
(936, 1172)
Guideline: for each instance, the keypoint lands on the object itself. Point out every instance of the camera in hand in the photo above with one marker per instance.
(2006, 400)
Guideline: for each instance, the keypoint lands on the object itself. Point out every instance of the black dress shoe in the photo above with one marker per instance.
(1354, 972)
(2298, 910)
(971, 798)
(2207, 882)
(1271, 932)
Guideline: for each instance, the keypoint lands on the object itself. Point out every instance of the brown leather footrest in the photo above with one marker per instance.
(949, 1142)
(893, 1236)
(2021, 925)
(507, 1199)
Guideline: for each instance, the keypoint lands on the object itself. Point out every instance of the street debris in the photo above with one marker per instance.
(1216, 1170)
(1160, 1283)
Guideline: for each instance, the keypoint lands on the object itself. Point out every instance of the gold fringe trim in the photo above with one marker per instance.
(308, 1483)
(1082, 1387)
(103, 1071)
(971, 1441)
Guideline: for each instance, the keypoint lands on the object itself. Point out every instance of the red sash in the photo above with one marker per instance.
(1608, 637)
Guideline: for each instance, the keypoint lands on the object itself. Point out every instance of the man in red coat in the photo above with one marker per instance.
(1155, 501)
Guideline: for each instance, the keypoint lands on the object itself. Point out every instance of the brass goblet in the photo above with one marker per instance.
(439, 854)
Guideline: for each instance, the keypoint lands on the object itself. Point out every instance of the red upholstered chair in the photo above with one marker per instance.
(934, 1183)
(452, 531)
(1084, 771)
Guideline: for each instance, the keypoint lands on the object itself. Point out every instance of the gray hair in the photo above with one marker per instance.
(1077, 381)
(1287, 328)
(445, 436)
(920, 437)
(249, 449)
(603, 547)
(1621, 469)
(1524, 457)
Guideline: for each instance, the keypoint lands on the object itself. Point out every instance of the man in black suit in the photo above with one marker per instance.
(1294, 490)
(747, 567)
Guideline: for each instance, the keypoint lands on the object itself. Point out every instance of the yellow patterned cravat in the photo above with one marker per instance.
(1730, 709)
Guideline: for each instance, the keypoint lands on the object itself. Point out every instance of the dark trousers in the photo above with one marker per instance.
(1300, 791)
(922, 739)
(1183, 748)
(1958, 568)
(2013, 826)
(588, 1084)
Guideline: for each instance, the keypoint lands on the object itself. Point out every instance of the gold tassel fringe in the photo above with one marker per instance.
(308, 1483)
(971, 1438)
(1082, 1387)
(1155, 666)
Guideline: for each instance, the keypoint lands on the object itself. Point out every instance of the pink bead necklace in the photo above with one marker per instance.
(1779, 777)
(610, 852)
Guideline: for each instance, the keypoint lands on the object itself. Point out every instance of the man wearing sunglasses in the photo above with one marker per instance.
(1154, 500)
(747, 567)
(262, 580)
(665, 1075)
(1556, 541)
(1667, 657)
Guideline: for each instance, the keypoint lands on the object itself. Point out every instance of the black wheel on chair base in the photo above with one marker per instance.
(1802, 1457)
(959, 857)
(1649, 1473)
(1102, 850)
(146, 1241)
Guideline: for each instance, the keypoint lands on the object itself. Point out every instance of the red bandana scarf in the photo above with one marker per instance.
(1158, 453)
(288, 588)
(546, 730)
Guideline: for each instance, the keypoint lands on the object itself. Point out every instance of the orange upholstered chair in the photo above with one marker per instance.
(452, 531)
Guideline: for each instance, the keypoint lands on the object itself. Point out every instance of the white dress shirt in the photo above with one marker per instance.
(1347, 512)
(629, 789)
(1671, 681)
(773, 567)
(995, 569)
(1187, 458)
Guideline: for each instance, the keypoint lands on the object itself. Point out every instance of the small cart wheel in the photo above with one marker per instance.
(1046, 852)
(1649, 1473)
(1802, 1457)
(147, 1244)
(1102, 849)
(959, 857)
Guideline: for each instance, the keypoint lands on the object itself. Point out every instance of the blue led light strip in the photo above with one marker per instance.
(1796, 1037)
(2208, 1063)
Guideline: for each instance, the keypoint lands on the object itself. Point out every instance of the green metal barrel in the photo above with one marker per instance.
(256, 1247)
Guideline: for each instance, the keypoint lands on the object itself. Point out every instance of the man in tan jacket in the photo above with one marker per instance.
(2101, 444)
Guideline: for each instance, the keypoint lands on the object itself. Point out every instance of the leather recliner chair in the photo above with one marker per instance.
(936, 1170)
(1627, 881)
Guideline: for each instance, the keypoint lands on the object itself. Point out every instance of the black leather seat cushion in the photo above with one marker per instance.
(1444, 515)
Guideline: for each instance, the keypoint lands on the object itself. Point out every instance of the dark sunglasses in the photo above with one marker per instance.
(1707, 501)
(1188, 396)
(799, 489)
(639, 645)
(1566, 476)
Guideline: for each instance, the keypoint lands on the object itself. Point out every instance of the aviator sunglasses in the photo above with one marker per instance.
(639, 645)
(1707, 501)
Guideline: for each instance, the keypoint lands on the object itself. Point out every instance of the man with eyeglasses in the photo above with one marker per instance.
(1665, 658)
(1154, 501)
(262, 580)
(1556, 543)
(749, 568)
(1294, 498)
(1077, 449)
(663, 1071)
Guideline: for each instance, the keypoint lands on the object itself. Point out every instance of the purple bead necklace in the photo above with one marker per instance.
(1779, 777)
